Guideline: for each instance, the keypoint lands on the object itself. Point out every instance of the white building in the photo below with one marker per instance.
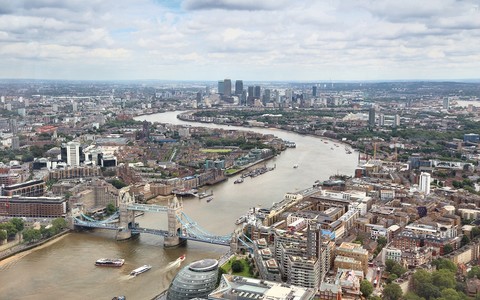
(424, 183)
(73, 153)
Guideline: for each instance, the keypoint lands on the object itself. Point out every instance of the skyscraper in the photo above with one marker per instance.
(314, 91)
(238, 87)
(371, 117)
(266, 96)
(424, 183)
(71, 153)
(446, 103)
(221, 87)
(250, 95)
(227, 87)
(257, 92)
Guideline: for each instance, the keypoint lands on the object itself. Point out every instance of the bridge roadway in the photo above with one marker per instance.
(147, 207)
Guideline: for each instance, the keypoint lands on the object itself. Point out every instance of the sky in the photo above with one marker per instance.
(263, 40)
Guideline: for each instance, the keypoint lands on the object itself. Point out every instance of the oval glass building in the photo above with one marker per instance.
(196, 280)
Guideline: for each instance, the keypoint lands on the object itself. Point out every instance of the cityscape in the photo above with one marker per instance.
(73, 162)
(240, 150)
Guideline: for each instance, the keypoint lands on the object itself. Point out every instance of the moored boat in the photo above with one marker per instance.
(239, 180)
(182, 258)
(240, 220)
(209, 199)
(140, 270)
(110, 262)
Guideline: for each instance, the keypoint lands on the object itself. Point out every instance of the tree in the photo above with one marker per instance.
(465, 240)
(412, 296)
(382, 241)
(474, 272)
(443, 279)
(9, 227)
(475, 231)
(46, 232)
(398, 270)
(31, 235)
(392, 291)
(421, 279)
(374, 298)
(237, 266)
(118, 183)
(389, 263)
(58, 224)
(3, 234)
(392, 278)
(451, 294)
(447, 249)
(110, 209)
(444, 263)
(366, 288)
(18, 223)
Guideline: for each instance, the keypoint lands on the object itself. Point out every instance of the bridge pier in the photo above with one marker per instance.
(123, 234)
(126, 217)
(174, 212)
(173, 241)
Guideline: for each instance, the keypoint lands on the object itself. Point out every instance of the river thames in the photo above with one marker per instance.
(65, 269)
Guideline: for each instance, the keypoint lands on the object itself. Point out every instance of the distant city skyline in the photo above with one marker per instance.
(270, 40)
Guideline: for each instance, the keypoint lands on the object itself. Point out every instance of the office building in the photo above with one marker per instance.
(227, 88)
(71, 153)
(446, 103)
(196, 280)
(314, 91)
(221, 87)
(471, 138)
(257, 92)
(250, 95)
(351, 256)
(424, 183)
(371, 117)
(238, 87)
(32, 188)
(238, 287)
(33, 207)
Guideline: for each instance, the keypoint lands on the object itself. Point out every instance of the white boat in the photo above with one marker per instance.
(239, 180)
(140, 270)
(295, 166)
(240, 220)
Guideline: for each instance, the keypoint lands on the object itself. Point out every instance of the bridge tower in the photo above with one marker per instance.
(175, 209)
(127, 217)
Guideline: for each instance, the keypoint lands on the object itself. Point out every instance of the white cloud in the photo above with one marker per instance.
(304, 39)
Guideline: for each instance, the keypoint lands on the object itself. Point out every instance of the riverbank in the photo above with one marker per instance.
(243, 168)
(18, 251)
(331, 139)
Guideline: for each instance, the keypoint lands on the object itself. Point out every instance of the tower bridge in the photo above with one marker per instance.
(180, 226)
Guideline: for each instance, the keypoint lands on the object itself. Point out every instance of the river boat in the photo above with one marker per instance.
(241, 220)
(205, 195)
(295, 166)
(239, 180)
(140, 270)
(209, 199)
(182, 258)
(110, 262)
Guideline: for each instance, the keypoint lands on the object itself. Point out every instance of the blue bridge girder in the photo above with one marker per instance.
(91, 224)
(190, 230)
(150, 231)
(147, 207)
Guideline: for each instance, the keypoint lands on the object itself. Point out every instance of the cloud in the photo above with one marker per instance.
(304, 39)
(249, 5)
